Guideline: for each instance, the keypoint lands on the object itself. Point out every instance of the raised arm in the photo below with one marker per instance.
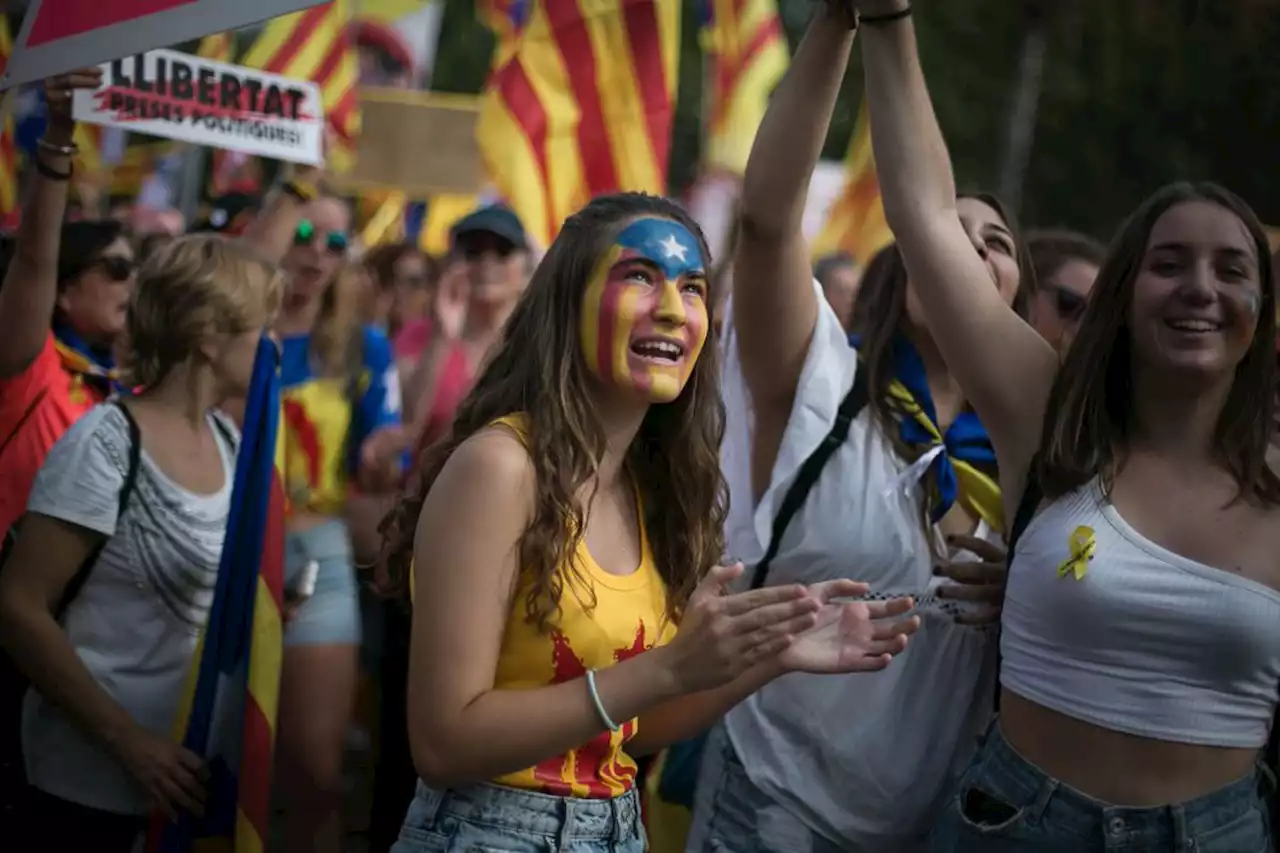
(31, 283)
(1004, 368)
(271, 232)
(464, 730)
(774, 305)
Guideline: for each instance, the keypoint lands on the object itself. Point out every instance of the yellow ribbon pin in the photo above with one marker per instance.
(1082, 544)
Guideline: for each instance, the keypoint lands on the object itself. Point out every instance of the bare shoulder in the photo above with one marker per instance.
(474, 516)
(491, 472)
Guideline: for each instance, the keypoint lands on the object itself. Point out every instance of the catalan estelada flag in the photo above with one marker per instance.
(746, 50)
(855, 223)
(220, 47)
(442, 213)
(228, 716)
(580, 102)
(314, 45)
(8, 150)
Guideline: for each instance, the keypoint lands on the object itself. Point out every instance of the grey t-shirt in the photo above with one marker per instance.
(136, 621)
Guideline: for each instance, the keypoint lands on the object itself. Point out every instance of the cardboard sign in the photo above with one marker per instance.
(184, 97)
(400, 128)
(61, 35)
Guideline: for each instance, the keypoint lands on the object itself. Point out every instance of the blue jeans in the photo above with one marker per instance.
(489, 818)
(1005, 804)
(331, 616)
(731, 815)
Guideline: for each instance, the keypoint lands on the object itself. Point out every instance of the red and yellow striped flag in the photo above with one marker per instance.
(580, 104)
(443, 212)
(220, 47)
(314, 45)
(855, 223)
(8, 150)
(227, 715)
(747, 53)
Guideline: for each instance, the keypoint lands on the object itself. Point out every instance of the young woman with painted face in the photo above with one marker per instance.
(907, 502)
(1142, 618)
(565, 530)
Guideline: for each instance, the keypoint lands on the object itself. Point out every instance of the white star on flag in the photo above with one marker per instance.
(673, 248)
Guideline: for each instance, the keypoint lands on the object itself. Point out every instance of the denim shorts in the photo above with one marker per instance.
(331, 616)
(1005, 804)
(732, 815)
(494, 819)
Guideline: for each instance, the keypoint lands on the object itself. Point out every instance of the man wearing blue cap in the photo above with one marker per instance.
(493, 243)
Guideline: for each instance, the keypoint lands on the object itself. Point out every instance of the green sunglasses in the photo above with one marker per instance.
(334, 241)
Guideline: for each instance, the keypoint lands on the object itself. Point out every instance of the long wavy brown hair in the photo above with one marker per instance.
(537, 368)
(880, 313)
(1088, 420)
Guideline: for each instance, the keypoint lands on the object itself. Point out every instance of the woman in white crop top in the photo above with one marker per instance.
(1141, 622)
(867, 764)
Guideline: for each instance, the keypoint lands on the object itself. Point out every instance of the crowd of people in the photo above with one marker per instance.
(621, 525)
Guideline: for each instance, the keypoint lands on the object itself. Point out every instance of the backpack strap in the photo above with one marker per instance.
(1032, 495)
(126, 490)
(852, 404)
(13, 433)
(228, 435)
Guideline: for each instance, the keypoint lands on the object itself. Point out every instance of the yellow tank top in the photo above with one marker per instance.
(627, 619)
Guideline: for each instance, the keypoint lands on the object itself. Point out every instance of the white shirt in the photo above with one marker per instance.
(866, 760)
(136, 621)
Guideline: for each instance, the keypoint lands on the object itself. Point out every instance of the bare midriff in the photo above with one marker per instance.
(1115, 767)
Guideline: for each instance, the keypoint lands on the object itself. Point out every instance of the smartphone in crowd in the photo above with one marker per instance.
(305, 585)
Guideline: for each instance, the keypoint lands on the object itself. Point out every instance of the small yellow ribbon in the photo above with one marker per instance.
(1082, 544)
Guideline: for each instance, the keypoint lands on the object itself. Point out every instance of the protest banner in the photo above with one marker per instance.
(190, 99)
(61, 35)
(399, 127)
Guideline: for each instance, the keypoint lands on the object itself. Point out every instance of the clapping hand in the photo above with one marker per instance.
(979, 581)
(854, 636)
(723, 635)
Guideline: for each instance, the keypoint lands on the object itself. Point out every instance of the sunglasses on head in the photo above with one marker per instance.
(334, 241)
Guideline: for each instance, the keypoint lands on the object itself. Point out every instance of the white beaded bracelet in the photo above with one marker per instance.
(595, 697)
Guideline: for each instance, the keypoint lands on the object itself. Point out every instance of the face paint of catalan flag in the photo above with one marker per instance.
(644, 314)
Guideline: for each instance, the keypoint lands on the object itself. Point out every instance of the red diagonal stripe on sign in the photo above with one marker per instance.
(59, 19)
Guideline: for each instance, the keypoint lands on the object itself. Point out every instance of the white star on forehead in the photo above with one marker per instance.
(673, 248)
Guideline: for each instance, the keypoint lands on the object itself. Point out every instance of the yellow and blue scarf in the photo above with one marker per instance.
(966, 445)
(92, 366)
